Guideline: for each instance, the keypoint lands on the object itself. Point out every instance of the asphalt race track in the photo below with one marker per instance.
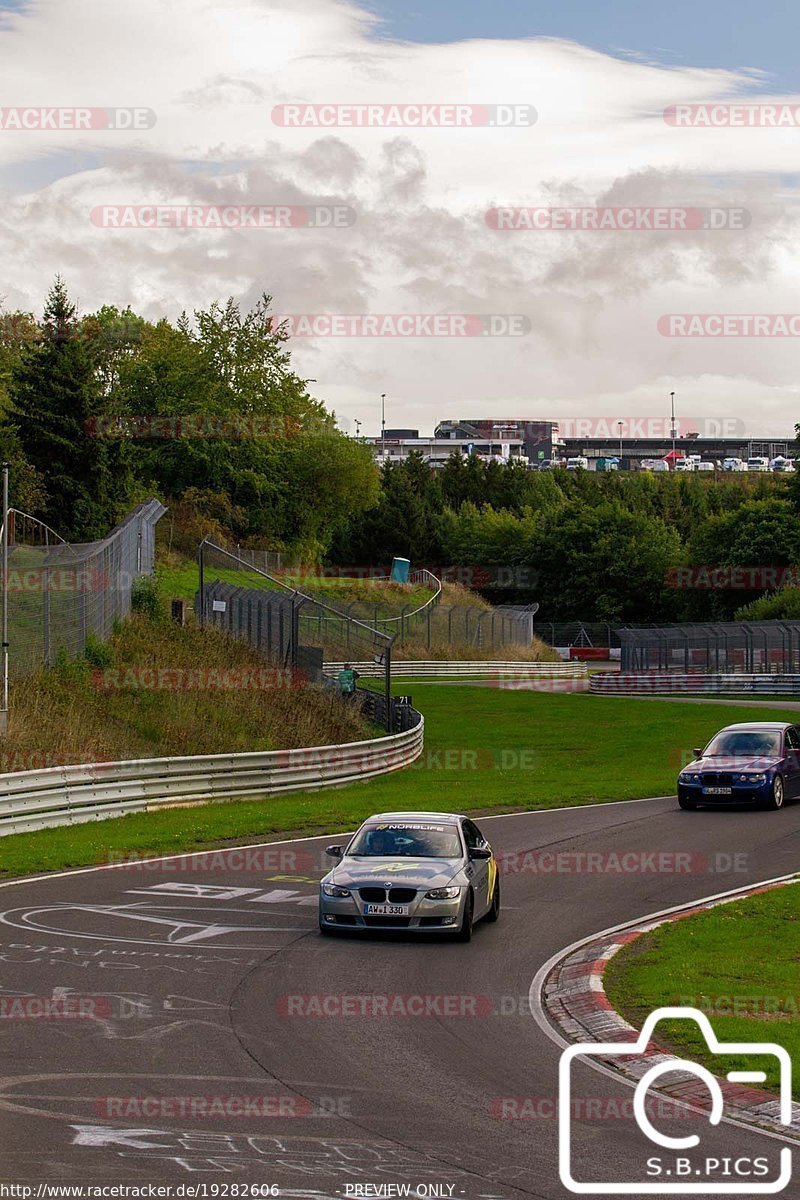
(206, 988)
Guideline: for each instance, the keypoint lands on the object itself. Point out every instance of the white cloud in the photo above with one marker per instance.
(212, 70)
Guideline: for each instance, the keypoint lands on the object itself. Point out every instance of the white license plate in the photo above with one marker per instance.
(385, 910)
(717, 791)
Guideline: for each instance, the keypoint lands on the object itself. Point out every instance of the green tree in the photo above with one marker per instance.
(759, 533)
(604, 563)
(56, 404)
(240, 422)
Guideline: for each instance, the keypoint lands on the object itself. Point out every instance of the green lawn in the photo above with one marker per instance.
(487, 749)
(738, 963)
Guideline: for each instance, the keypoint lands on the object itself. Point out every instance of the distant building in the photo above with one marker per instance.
(539, 438)
(538, 441)
(436, 450)
(716, 449)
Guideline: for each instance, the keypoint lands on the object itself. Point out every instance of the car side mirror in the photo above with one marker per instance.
(480, 852)
(334, 851)
(698, 753)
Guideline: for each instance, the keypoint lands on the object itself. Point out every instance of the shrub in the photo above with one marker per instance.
(145, 598)
(97, 653)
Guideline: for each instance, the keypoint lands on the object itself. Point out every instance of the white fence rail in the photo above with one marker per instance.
(71, 795)
(662, 683)
(452, 669)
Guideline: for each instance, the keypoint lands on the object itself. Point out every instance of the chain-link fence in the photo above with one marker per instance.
(741, 647)
(290, 627)
(483, 629)
(427, 624)
(585, 635)
(59, 594)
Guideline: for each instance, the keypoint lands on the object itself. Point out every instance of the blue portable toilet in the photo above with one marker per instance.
(400, 569)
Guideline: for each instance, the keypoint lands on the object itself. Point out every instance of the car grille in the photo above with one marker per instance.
(378, 895)
(715, 779)
(394, 922)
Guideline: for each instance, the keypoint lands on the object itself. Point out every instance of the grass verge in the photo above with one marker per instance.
(738, 963)
(160, 690)
(487, 750)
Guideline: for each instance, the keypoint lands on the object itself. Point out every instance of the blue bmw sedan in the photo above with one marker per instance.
(756, 763)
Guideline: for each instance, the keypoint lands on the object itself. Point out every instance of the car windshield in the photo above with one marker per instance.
(743, 743)
(407, 840)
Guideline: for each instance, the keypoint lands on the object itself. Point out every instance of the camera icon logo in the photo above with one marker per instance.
(683, 1175)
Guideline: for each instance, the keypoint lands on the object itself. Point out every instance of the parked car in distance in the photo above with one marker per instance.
(684, 464)
(734, 464)
(758, 463)
(578, 464)
(782, 464)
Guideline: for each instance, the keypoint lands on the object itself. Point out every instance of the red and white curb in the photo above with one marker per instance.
(575, 1001)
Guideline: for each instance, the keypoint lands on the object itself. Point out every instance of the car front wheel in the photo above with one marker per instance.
(776, 795)
(465, 932)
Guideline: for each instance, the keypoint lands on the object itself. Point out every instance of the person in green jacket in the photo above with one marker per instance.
(347, 680)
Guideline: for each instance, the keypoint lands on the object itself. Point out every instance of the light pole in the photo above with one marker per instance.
(358, 428)
(619, 427)
(383, 427)
(672, 410)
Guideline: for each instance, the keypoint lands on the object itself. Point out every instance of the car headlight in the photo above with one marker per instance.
(448, 893)
(688, 777)
(333, 889)
(761, 778)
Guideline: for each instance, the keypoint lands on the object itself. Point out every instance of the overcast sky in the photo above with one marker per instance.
(416, 238)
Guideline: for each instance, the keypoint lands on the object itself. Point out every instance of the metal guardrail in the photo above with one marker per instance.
(663, 683)
(452, 669)
(72, 795)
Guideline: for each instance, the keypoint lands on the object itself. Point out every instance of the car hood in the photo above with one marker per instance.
(732, 762)
(405, 872)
